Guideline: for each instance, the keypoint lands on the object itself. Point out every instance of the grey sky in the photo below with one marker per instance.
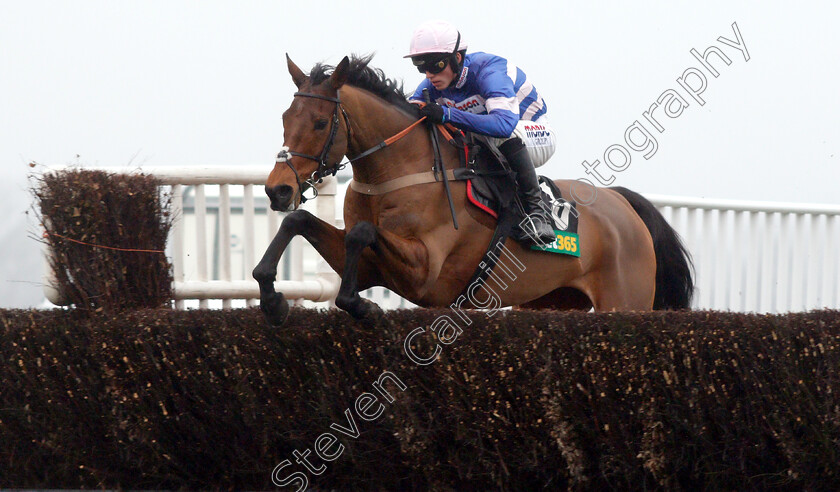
(181, 83)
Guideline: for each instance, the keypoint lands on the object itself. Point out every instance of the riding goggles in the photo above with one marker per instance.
(433, 66)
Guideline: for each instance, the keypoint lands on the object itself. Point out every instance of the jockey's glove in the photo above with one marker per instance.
(435, 112)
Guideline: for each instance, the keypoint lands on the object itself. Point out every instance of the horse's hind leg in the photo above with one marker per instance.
(328, 240)
(619, 292)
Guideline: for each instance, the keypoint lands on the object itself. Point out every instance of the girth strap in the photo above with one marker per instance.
(457, 174)
(397, 183)
(504, 226)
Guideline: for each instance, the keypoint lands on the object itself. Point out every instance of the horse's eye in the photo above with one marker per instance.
(320, 124)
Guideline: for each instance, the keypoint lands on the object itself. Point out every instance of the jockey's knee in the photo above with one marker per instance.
(536, 136)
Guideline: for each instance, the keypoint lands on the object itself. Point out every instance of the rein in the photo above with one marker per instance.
(434, 176)
(324, 168)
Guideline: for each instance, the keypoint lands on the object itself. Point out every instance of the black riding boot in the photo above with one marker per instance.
(536, 227)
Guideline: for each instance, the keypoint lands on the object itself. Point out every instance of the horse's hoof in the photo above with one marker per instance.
(275, 309)
(370, 315)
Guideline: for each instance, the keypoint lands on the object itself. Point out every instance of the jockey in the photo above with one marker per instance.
(488, 95)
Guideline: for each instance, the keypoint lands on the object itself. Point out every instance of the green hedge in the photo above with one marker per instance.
(519, 401)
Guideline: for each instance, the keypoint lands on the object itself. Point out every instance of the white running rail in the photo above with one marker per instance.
(759, 256)
(748, 256)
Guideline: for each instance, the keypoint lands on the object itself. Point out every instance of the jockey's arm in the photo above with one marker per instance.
(498, 123)
(500, 103)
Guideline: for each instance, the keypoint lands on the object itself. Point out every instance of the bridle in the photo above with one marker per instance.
(324, 168)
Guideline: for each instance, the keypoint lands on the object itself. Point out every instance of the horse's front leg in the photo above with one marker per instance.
(327, 240)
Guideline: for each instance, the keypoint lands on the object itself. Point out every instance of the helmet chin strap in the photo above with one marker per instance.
(454, 63)
(454, 57)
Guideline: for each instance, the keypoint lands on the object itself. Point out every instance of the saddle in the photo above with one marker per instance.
(491, 186)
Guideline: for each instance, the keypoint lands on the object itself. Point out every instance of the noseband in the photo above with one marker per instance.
(324, 168)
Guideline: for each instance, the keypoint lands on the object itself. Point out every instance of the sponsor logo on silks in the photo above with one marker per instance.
(474, 104)
(537, 131)
(565, 243)
(538, 134)
(463, 78)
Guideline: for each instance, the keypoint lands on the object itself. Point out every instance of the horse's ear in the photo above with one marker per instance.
(297, 74)
(339, 75)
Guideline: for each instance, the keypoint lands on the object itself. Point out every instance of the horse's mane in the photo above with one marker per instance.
(370, 79)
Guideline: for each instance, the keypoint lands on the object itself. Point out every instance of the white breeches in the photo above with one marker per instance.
(538, 137)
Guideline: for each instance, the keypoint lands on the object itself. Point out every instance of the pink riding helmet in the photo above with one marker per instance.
(435, 36)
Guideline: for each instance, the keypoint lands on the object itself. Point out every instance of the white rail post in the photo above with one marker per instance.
(177, 218)
(248, 234)
(326, 211)
(819, 261)
(201, 238)
(224, 238)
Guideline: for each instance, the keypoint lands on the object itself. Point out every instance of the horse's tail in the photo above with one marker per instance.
(674, 282)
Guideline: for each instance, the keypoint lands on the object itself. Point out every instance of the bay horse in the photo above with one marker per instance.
(404, 239)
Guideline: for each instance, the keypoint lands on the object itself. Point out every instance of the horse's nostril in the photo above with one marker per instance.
(284, 192)
(279, 192)
(280, 196)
